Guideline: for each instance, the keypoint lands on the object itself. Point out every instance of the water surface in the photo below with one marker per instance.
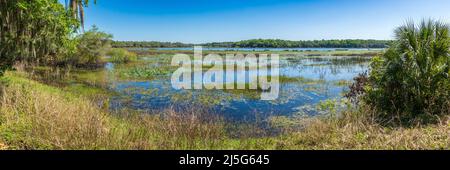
(305, 82)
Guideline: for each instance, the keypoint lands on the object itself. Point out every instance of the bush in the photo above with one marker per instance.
(119, 55)
(357, 89)
(411, 80)
(92, 46)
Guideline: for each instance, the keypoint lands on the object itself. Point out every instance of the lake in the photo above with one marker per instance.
(306, 81)
(262, 49)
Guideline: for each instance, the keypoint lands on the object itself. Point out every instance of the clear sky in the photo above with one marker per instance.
(198, 21)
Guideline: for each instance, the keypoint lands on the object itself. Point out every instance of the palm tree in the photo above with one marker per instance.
(77, 9)
(415, 75)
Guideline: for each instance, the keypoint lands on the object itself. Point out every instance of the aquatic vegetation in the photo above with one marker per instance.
(351, 129)
(145, 85)
(142, 72)
(344, 83)
(118, 55)
(150, 91)
(299, 80)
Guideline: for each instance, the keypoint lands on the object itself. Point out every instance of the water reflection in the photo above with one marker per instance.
(305, 81)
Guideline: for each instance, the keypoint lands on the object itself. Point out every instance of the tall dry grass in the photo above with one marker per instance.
(359, 129)
(36, 116)
(34, 119)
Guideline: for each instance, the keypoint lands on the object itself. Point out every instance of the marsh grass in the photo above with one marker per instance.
(34, 117)
(358, 129)
(143, 72)
(119, 55)
(37, 116)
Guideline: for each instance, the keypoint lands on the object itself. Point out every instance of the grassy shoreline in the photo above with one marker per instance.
(38, 116)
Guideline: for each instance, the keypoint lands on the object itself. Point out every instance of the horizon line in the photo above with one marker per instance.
(251, 39)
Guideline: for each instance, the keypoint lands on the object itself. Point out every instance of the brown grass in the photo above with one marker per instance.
(359, 130)
(36, 116)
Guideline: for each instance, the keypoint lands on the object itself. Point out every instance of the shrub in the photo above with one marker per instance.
(357, 89)
(119, 55)
(92, 46)
(411, 80)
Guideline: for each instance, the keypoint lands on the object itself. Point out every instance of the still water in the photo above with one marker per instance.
(304, 82)
(265, 49)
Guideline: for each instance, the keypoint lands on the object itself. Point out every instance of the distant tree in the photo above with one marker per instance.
(271, 43)
(262, 43)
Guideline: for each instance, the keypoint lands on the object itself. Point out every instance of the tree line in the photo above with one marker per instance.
(149, 44)
(262, 43)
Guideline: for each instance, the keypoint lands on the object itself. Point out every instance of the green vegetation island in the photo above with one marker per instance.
(66, 88)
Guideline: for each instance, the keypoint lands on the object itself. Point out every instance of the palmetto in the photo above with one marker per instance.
(414, 75)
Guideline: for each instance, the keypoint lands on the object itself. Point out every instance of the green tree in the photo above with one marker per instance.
(35, 31)
(411, 80)
(92, 46)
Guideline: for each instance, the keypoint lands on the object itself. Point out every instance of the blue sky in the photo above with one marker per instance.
(197, 21)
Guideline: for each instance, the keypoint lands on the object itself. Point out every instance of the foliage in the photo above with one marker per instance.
(358, 88)
(92, 46)
(262, 43)
(411, 80)
(76, 8)
(35, 31)
(119, 55)
(276, 43)
(148, 44)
